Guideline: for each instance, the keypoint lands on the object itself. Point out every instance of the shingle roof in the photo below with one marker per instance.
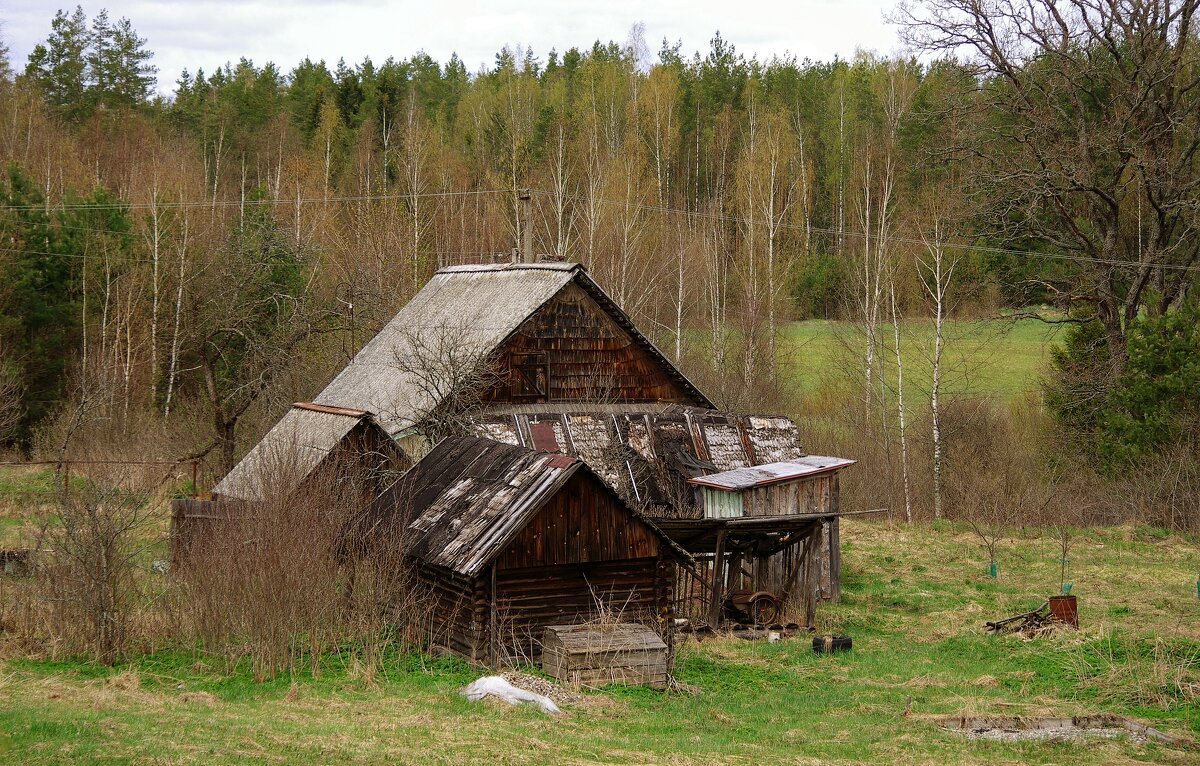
(646, 452)
(289, 452)
(469, 497)
(771, 473)
(470, 310)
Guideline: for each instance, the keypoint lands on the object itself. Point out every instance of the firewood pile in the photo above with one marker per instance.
(1031, 624)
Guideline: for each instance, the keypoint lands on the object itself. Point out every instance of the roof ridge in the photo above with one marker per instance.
(476, 268)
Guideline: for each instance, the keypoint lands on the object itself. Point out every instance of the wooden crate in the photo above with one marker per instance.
(595, 655)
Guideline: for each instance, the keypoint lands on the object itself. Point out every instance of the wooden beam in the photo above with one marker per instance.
(714, 612)
(493, 629)
(811, 573)
(790, 582)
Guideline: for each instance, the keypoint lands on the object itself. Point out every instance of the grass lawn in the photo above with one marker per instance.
(996, 357)
(914, 602)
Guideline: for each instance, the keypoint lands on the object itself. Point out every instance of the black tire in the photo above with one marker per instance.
(830, 644)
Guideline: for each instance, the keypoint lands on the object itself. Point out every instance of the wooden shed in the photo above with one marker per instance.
(770, 529)
(311, 441)
(508, 541)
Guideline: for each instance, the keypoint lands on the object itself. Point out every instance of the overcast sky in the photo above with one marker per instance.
(188, 34)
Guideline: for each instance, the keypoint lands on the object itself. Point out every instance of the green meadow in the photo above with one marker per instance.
(1004, 358)
(915, 601)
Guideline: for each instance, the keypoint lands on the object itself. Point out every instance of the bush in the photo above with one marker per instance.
(1119, 414)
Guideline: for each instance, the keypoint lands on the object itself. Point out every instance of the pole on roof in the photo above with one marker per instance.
(526, 226)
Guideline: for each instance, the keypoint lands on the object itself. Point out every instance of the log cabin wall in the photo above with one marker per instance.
(572, 350)
(365, 454)
(455, 612)
(582, 554)
(529, 599)
(451, 610)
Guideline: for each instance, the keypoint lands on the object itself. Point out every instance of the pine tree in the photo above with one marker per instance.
(59, 66)
(38, 318)
(121, 74)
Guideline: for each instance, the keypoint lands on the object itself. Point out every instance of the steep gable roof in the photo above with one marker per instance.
(471, 308)
(470, 497)
(474, 308)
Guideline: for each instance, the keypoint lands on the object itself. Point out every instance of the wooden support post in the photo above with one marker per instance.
(714, 612)
(834, 541)
(811, 582)
(735, 569)
(797, 562)
(493, 630)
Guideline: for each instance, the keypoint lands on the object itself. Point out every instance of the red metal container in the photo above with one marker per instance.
(1065, 608)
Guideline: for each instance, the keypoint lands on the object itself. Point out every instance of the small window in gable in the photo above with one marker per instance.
(530, 377)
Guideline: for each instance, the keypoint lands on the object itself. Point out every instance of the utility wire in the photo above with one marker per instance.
(223, 203)
(719, 217)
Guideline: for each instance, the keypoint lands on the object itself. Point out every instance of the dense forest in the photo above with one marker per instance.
(178, 267)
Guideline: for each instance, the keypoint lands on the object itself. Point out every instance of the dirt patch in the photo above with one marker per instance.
(1052, 729)
(127, 681)
(560, 696)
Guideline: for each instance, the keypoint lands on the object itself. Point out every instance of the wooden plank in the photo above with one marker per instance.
(714, 609)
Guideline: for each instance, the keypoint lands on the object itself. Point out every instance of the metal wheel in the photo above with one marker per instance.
(764, 609)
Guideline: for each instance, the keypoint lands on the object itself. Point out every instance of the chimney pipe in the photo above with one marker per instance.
(526, 226)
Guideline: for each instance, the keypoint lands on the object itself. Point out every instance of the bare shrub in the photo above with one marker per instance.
(286, 580)
(12, 392)
(449, 375)
(1164, 491)
(89, 564)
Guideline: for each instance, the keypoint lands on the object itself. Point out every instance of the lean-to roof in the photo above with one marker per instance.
(771, 473)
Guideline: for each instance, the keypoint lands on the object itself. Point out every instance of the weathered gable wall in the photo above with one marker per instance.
(572, 350)
(583, 523)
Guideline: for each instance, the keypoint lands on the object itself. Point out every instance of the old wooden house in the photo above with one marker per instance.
(508, 541)
(538, 356)
(310, 448)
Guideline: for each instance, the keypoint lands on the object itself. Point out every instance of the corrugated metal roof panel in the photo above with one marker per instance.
(288, 453)
(466, 311)
(771, 473)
